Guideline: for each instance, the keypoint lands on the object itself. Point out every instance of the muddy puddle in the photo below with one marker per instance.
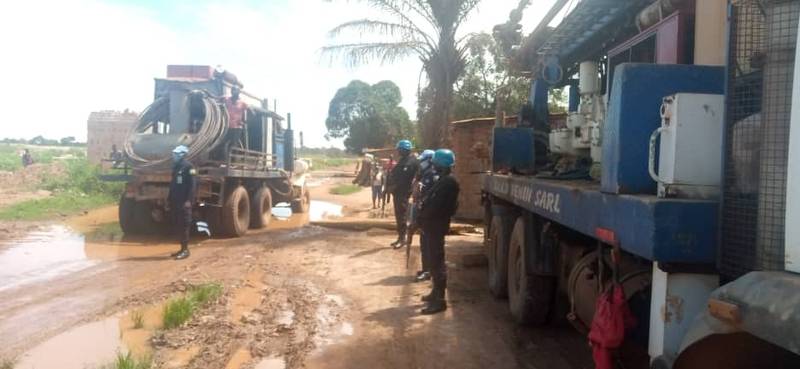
(41, 255)
(318, 210)
(96, 344)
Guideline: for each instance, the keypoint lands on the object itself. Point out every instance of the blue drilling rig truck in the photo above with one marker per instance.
(674, 175)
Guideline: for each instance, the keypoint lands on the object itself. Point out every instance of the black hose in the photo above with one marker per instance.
(213, 129)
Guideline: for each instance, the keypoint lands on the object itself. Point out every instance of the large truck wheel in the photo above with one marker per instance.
(144, 222)
(261, 208)
(497, 254)
(530, 296)
(127, 217)
(302, 204)
(236, 213)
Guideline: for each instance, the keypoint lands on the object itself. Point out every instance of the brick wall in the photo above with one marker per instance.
(106, 128)
(470, 142)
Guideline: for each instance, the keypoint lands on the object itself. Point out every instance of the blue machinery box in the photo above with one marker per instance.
(633, 114)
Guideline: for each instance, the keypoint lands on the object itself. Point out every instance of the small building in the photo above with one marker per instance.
(104, 129)
(471, 142)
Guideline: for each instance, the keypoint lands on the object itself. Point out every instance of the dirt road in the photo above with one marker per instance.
(295, 296)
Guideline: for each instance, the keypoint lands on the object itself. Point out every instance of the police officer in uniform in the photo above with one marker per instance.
(400, 179)
(437, 207)
(181, 198)
(423, 183)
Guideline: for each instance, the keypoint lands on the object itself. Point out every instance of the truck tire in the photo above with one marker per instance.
(261, 208)
(302, 204)
(127, 217)
(530, 296)
(143, 219)
(497, 255)
(236, 213)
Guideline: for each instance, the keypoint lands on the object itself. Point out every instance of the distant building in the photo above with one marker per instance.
(106, 128)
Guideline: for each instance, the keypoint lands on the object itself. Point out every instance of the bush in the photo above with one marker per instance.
(83, 178)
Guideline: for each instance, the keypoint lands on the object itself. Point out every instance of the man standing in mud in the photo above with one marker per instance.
(400, 179)
(181, 198)
(437, 207)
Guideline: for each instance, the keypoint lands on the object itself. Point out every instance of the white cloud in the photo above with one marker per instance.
(64, 59)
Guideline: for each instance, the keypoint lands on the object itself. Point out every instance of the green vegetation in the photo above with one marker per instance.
(204, 293)
(78, 190)
(368, 116)
(179, 310)
(10, 159)
(137, 316)
(345, 189)
(128, 361)
(327, 163)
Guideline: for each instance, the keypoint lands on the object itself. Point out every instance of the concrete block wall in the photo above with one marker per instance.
(104, 129)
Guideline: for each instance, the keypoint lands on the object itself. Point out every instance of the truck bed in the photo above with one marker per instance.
(657, 229)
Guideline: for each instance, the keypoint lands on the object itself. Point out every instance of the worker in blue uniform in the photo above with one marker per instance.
(181, 198)
(422, 183)
(400, 180)
(437, 207)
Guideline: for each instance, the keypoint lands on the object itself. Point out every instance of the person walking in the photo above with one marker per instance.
(422, 183)
(400, 181)
(377, 185)
(181, 198)
(437, 207)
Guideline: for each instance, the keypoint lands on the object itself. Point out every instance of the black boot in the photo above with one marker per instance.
(433, 307)
(427, 297)
(183, 254)
(423, 276)
(398, 244)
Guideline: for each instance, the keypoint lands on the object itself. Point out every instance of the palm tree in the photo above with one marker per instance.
(427, 29)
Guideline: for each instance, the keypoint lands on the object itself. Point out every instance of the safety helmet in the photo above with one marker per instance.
(426, 155)
(180, 150)
(404, 145)
(444, 158)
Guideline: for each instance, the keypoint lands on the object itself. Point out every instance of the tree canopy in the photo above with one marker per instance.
(368, 115)
(427, 29)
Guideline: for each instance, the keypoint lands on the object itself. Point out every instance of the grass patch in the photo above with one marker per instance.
(65, 203)
(179, 310)
(137, 316)
(10, 159)
(80, 189)
(6, 364)
(345, 189)
(128, 361)
(204, 293)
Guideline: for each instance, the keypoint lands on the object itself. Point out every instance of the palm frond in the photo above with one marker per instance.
(358, 54)
(401, 9)
(370, 26)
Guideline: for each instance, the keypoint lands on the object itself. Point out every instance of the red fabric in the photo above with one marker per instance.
(235, 112)
(612, 317)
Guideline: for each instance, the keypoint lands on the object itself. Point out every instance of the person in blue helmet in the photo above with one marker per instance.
(401, 179)
(422, 183)
(181, 198)
(438, 205)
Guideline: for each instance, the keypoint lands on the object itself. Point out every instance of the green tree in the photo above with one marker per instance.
(427, 29)
(368, 116)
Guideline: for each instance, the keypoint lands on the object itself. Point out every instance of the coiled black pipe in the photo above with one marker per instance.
(213, 128)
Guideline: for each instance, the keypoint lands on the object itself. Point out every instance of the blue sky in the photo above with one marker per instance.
(64, 59)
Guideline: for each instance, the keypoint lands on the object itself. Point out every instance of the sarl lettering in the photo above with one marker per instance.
(547, 201)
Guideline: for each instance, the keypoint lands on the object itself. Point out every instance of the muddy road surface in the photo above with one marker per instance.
(74, 294)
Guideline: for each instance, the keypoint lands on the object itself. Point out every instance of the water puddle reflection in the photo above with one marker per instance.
(41, 255)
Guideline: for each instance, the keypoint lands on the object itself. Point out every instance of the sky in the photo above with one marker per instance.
(63, 59)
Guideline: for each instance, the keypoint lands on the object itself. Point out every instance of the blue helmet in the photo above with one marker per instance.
(426, 155)
(404, 145)
(444, 158)
(181, 150)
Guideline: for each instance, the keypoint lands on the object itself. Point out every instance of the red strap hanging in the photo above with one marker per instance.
(612, 318)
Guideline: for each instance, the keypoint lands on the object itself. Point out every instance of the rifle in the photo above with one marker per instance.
(411, 227)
